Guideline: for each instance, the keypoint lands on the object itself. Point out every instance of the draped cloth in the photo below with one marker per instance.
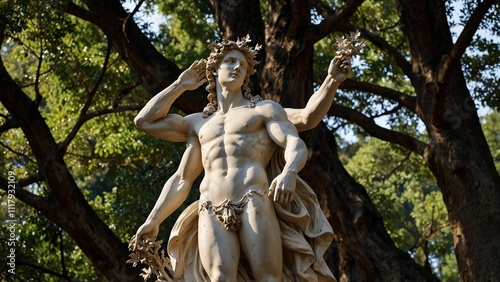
(305, 234)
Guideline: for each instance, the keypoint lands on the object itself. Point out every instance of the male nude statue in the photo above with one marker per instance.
(232, 141)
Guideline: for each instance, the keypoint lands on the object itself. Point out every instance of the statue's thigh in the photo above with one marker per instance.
(219, 249)
(260, 235)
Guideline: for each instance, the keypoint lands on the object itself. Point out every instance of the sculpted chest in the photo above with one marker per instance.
(242, 121)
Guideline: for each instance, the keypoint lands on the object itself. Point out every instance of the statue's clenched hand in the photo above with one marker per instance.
(282, 187)
(340, 67)
(146, 231)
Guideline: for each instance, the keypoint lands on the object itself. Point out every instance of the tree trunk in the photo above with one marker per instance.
(367, 253)
(459, 158)
(65, 205)
(458, 154)
(236, 19)
(365, 248)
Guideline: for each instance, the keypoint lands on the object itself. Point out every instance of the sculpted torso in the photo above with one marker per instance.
(235, 149)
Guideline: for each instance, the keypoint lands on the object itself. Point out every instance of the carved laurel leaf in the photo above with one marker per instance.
(147, 253)
(346, 45)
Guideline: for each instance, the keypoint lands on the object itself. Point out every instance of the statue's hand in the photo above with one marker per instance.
(340, 67)
(282, 187)
(146, 231)
(194, 76)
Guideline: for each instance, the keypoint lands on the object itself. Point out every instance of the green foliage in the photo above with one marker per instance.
(381, 19)
(120, 170)
(409, 200)
(185, 38)
(44, 252)
(133, 185)
(481, 67)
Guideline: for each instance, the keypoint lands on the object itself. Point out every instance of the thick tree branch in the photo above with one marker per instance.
(451, 61)
(153, 70)
(301, 17)
(377, 131)
(8, 89)
(9, 123)
(333, 19)
(407, 101)
(37, 177)
(464, 40)
(136, 9)
(39, 203)
(25, 111)
(77, 11)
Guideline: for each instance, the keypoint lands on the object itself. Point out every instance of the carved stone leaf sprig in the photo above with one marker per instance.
(346, 45)
(147, 253)
(244, 41)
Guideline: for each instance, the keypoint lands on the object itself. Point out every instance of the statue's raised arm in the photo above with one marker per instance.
(338, 71)
(154, 118)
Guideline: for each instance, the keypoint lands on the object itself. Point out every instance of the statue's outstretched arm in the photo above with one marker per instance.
(338, 71)
(320, 102)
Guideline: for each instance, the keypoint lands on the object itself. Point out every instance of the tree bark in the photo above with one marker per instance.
(457, 154)
(367, 253)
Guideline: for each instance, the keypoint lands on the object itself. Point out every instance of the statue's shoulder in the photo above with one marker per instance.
(195, 118)
(269, 108)
(266, 103)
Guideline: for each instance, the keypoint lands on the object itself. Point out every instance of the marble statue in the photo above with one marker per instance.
(256, 219)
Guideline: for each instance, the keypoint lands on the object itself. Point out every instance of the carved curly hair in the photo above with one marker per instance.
(217, 53)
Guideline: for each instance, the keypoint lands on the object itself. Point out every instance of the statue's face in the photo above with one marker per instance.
(232, 69)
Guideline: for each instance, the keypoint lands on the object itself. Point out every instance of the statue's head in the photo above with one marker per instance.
(217, 52)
